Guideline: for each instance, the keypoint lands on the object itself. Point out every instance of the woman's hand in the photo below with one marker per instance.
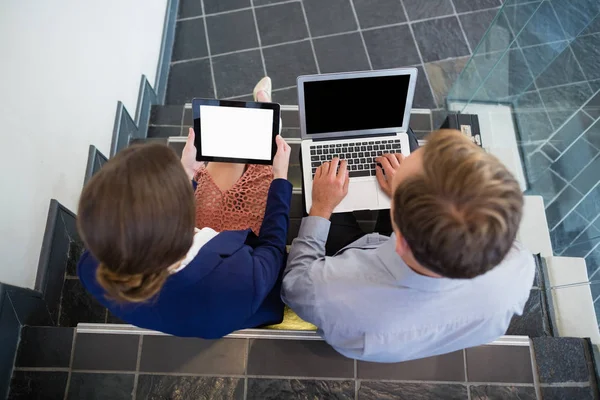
(281, 161)
(188, 156)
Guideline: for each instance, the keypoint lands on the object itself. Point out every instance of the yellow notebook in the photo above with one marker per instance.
(291, 321)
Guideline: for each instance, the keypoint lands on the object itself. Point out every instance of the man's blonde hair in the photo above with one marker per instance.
(460, 216)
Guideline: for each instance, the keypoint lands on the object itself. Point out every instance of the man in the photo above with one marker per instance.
(450, 275)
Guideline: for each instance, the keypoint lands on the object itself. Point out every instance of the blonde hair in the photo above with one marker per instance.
(460, 216)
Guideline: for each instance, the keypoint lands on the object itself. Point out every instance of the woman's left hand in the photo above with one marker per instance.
(188, 156)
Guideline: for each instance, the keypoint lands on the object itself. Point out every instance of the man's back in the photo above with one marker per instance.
(371, 306)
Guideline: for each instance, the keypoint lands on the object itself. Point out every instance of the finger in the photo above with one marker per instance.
(387, 167)
(393, 160)
(381, 178)
(334, 165)
(346, 182)
(280, 143)
(343, 170)
(191, 136)
(400, 157)
(324, 168)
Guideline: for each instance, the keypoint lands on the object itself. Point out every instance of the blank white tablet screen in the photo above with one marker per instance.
(236, 132)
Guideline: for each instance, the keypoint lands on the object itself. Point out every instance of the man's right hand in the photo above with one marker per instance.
(329, 187)
(389, 164)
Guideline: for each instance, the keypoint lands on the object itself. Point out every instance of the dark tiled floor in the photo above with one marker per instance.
(162, 367)
(292, 38)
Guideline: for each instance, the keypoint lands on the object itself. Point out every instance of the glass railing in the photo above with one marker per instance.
(534, 81)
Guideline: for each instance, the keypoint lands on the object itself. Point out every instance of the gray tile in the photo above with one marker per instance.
(509, 364)
(563, 69)
(512, 69)
(561, 360)
(417, 10)
(188, 118)
(567, 393)
(281, 23)
(423, 97)
(592, 262)
(189, 387)
(105, 352)
(566, 99)
(287, 62)
(442, 75)
(163, 131)
(476, 24)
(264, 2)
(45, 347)
(369, 390)
(531, 323)
(561, 206)
(532, 120)
(589, 207)
(38, 385)
(446, 367)
(292, 389)
(166, 115)
(439, 39)
(570, 131)
(420, 122)
(291, 119)
(100, 386)
(189, 8)
(341, 53)
(539, 57)
(286, 97)
(237, 73)
(574, 17)
(550, 151)
(567, 231)
(296, 208)
(188, 80)
(593, 134)
(220, 28)
(483, 392)
(215, 6)
(540, 27)
(177, 147)
(297, 358)
(584, 244)
(536, 163)
(588, 177)
(373, 13)
(77, 305)
(333, 16)
(291, 133)
(547, 184)
(391, 47)
(574, 160)
(192, 355)
(471, 5)
(190, 40)
(592, 107)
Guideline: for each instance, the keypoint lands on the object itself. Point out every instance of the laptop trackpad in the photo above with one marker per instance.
(362, 195)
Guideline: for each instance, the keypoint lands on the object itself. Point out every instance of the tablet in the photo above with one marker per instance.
(235, 131)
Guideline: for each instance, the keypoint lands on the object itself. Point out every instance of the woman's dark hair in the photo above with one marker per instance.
(137, 217)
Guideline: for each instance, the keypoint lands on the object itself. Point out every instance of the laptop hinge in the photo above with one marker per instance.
(352, 137)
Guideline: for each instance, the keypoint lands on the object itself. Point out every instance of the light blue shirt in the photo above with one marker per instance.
(369, 305)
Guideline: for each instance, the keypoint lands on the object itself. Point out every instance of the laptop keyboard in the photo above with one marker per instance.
(360, 155)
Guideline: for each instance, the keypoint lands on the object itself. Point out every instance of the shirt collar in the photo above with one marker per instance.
(405, 276)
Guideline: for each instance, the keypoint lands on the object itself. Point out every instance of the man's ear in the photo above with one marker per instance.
(401, 246)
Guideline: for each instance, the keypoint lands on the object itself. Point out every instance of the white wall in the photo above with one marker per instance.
(64, 64)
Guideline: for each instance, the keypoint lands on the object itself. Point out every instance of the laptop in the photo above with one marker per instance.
(355, 116)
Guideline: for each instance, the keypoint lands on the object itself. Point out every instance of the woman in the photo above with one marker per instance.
(149, 264)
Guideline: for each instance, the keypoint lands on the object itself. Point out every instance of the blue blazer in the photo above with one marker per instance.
(233, 283)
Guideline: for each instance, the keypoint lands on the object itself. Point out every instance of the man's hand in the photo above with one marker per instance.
(281, 161)
(329, 187)
(390, 164)
(188, 156)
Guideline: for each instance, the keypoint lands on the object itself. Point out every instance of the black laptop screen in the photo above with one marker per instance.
(355, 104)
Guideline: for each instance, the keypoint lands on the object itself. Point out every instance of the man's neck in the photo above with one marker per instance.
(419, 269)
